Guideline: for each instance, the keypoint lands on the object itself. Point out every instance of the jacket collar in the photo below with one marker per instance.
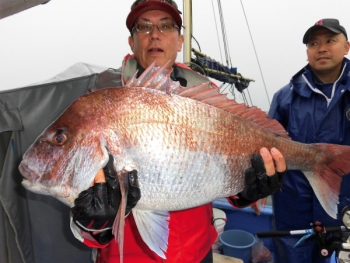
(175, 75)
(300, 81)
(181, 71)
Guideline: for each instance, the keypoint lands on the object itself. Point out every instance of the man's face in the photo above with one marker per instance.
(155, 46)
(325, 51)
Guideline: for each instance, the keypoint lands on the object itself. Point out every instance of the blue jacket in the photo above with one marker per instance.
(311, 117)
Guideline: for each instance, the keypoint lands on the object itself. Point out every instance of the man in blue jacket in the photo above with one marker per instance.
(314, 107)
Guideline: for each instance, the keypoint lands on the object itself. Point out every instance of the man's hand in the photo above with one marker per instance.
(95, 208)
(261, 182)
(264, 178)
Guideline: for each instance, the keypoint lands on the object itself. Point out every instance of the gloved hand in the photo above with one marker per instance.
(95, 209)
(257, 184)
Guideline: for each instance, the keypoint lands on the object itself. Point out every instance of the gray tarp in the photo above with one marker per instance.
(11, 7)
(33, 227)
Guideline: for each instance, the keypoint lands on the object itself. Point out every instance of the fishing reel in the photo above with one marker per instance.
(338, 241)
(343, 253)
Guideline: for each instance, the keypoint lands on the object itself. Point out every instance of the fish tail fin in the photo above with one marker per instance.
(327, 174)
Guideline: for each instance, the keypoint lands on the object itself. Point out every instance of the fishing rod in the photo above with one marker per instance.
(338, 242)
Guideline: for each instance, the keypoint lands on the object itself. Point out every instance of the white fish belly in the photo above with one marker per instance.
(179, 180)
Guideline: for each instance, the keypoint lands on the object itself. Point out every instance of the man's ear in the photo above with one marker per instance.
(347, 47)
(131, 43)
(180, 42)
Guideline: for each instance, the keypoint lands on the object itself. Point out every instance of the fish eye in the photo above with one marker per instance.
(60, 138)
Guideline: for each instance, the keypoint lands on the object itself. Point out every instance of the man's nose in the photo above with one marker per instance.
(155, 33)
(322, 47)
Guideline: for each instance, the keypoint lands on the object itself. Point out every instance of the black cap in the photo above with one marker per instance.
(329, 23)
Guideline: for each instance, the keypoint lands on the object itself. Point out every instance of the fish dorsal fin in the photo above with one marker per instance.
(207, 94)
(153, 227)
(159, 78)
(154, 78)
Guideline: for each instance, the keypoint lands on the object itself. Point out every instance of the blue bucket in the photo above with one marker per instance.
(238, 244)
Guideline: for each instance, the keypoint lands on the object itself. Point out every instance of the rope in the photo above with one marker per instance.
(227, 51)
(256, 55)
(223, 28)
(217, 31)
(199, 47)
(250, 98)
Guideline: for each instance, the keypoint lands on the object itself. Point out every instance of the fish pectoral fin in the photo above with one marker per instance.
(153, 227)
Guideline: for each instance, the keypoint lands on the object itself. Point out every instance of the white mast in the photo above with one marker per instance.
(187, 17)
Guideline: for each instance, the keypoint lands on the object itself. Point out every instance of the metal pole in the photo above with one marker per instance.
(187, 17)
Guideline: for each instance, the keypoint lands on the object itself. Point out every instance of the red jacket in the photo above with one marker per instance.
(191, 235)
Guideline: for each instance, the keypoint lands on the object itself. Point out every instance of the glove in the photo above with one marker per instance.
(257, 184)
(95, 209)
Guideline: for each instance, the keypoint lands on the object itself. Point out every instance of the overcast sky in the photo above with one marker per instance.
(43, 41)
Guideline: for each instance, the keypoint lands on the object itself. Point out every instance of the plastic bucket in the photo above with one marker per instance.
(237, 243)
(219, 223)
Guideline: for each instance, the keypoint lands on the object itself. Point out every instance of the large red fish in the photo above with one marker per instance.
(190, 146)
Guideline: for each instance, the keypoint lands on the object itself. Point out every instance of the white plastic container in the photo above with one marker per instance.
(219, 223)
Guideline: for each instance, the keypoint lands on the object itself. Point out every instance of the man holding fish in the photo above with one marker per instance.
(155, 28)
(314, 107)
(167, 143)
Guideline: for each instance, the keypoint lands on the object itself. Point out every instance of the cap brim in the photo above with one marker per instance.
(153, 5)
(316, 27)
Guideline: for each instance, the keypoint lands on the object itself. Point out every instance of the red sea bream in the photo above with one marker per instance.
(190, 147)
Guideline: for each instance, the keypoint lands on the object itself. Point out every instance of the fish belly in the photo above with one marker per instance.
(179, 180)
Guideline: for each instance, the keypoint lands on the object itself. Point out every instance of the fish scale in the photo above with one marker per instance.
(174, 134)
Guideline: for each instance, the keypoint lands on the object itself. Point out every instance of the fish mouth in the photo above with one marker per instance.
(31, 182)
(36, 188)
(31, 177)
(40, 189)
(28, 172)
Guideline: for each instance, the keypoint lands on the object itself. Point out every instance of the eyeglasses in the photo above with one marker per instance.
(146, 28)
